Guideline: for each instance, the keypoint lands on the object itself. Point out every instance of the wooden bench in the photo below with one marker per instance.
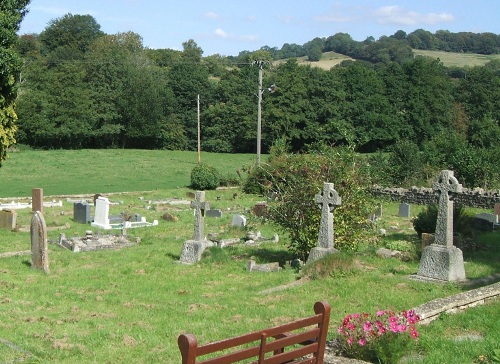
(302, 338)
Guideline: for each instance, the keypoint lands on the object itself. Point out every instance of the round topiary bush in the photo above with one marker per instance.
(204, 177)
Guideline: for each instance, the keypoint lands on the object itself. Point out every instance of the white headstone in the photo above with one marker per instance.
(101, 218)
(239, 220)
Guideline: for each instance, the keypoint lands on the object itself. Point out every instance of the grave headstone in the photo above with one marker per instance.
(404, 210)
(239, 220)
(37, 200)
(327, 200)
(442, 260)
(81, 212)
(493, 218)
(497, 209)
(8, 219)
(260, 209)
(213, 213)
(101, 216)
(39, 244)
(192, 250)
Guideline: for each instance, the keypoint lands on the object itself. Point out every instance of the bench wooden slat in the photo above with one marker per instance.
(310, 332)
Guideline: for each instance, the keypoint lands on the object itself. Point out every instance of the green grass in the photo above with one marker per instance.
(451, 59)
(131, 305)
(61, 172)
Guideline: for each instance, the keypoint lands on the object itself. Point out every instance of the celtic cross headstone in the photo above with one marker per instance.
(327, 200)
(442, 260)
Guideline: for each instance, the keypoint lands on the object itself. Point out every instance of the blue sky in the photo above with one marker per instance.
(227, 27)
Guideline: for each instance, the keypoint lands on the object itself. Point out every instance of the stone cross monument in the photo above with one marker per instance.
(442, 260)
(192, 250)
(327, 200)
(200, 206)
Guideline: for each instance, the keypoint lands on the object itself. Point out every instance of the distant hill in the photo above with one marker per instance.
(449, 59)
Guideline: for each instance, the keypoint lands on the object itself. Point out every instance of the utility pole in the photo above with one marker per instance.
(259, 113)
(199, 130)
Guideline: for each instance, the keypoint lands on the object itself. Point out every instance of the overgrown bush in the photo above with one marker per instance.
(204, 177)
(425, 221)
(296, 178)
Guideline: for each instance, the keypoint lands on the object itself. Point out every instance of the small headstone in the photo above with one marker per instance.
(327, 200)
(39, 244)
(493, 218)
(192, 250)
(497, 209)
(404, 210)
(239, 220)
(442, 260)
(8, 219)
(213, 213)
(81, 212)
(260, 209)
(37, 200)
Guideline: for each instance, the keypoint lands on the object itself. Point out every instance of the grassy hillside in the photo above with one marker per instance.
(450, 59)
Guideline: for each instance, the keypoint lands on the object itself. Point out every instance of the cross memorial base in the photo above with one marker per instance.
(192, 250)
(442, 263)
(319, 252)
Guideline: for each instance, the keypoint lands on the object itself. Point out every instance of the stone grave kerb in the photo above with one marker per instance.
(446, 186)
(327, 200)
(200, 206)
(39, 243)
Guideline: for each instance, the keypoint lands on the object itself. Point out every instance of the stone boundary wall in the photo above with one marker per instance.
(425, 196)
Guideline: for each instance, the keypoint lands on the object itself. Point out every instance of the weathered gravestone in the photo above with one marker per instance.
(239, 220)
(37, 200)
(442, 260)
(8, 219)
(404, 210)
(39, 244)
(327, 201)
(81, 212)
(192, 250)
(213, 213)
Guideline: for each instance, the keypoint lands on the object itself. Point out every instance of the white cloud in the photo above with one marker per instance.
(211, 15)
(401, 16)
(220, 33)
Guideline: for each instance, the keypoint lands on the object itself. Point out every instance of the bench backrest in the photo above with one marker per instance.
(302, 337)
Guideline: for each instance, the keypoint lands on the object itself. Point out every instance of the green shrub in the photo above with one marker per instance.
(425, 221)
(204, 177)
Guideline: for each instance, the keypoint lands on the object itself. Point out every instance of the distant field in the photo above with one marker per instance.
(327, 61)
(449, 59)
(61, 172)
(458, 59)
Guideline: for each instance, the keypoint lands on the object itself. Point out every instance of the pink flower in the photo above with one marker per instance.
(394, 327)
(350, 340)
(356, 315)
(382, 330)
(362, 341)
(380, 313)
(414, 334)
(367, 326)
(402, 328)
(393, 319)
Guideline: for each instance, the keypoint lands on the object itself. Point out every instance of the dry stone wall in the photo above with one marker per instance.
(426, 196)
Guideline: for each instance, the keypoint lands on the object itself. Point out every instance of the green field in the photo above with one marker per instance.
(130, 305)
(62, 172)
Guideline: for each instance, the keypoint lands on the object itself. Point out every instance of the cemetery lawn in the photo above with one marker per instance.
(130, 305)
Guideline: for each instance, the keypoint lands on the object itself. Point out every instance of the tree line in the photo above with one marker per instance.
(82, 88)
